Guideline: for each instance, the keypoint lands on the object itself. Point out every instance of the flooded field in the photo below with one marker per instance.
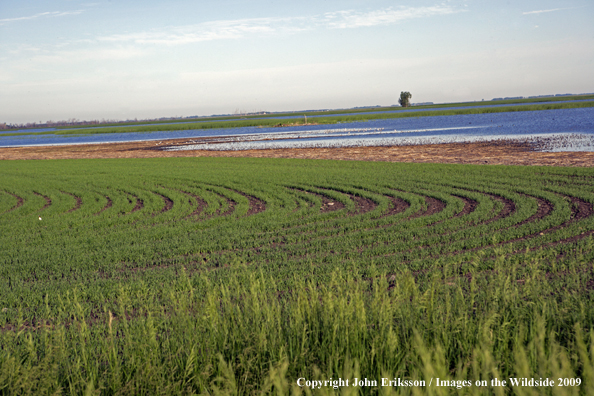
(549, 130)
(554, 130)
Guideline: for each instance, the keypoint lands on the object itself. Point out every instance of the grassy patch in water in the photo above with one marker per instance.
(301, 121)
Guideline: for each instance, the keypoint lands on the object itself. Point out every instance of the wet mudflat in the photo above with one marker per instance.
(494, 153)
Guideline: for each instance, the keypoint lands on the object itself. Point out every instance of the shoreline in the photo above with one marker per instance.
(492, 153)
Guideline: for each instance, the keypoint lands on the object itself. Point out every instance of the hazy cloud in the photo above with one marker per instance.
(542, 11)
(235, 29)
(41, 15)
(216, 30)
(386, 16)
(97, 54)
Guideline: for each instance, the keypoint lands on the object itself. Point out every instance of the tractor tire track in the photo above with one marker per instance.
(78, 200)
(48, 200)
(508, 209)
(470, 206)
(399, 205)
(363, 205)
(167, 203)
(201, 204)
(20, 202)
(108, 205)
(434, 206)
(256, 204)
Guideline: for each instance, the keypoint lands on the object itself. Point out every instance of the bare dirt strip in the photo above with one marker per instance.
(200, 204)
(225, 211)
(167, 204)
(48, 200)
(78, 201)
(509, 208)
(470, 205)
(363, 205)
(398, 205)
(434, 206)
(20, 202)
(107, 206)
(256, 204)
(328, 204)
(139, 203)
(494, 153)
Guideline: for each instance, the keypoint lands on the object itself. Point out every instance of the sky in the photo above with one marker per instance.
(126, 59)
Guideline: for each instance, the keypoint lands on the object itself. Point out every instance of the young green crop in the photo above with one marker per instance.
(206, 275)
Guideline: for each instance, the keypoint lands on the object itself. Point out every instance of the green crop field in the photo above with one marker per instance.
(240, 276)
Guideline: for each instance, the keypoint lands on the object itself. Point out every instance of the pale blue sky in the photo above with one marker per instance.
(125, 59)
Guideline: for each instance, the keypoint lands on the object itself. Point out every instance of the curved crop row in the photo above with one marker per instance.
(186, 270)
(103, 226)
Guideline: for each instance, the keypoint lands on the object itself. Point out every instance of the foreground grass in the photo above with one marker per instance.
(156, 276)
(251, 335)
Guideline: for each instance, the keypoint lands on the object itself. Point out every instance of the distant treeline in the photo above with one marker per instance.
(75, 122)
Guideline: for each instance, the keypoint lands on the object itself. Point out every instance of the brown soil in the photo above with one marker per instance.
(167, 203)
(509, 208)
(20, 202)
(493, 153)
(230, 207)
(200, 204)
(398, 205)
(48, 201)
(256, 204)
(544, 209)
(433, 206)
(580, 210)
(139, 203)
(107, 206)
(363, 205)
(470, 206)
(78, 201)
(329, 204)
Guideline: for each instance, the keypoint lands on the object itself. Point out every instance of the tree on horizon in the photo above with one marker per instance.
(405, 98)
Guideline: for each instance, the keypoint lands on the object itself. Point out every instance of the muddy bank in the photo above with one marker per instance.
(494, 153)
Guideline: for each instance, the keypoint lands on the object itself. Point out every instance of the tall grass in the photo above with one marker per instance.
(253, 334)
